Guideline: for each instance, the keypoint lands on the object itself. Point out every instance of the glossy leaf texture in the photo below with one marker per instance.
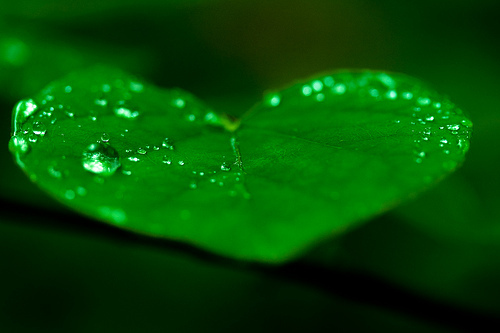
(307, 163)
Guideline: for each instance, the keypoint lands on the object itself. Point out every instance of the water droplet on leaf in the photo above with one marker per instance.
(101, 159)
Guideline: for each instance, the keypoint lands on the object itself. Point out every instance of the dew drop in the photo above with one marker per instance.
(136, 86)
(391, 94)
(115, 215)
(141, 151)
(273, 100)
(166, 160)
(101, 159)
(54, 172)
(423, 101)
(317, 85)
(193, 185)
(39, 128)
(101, 102)
(181, 162)
(133, 159)
(70, 194)
(68, 89)
(167, 144)
(179, 102)
(81, 191)
(106, 88)
(407, 95)
(225, 167)
(32, 137)
(339, 89)
(329, 81)
(306, 90)
(105, 137)
(124, 112)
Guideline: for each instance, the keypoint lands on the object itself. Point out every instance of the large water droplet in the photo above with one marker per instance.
(101, 159)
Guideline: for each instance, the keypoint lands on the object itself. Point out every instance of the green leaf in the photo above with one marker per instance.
(308, 162)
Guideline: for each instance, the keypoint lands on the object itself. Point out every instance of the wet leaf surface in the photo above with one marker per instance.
(309, 161)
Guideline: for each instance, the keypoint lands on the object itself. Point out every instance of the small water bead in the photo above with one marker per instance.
(453, 127)
(320, 97)
(191, 117)
(127, 172)
(54, 172)
(156, 148)
(166, 160)
(136, 86)
(69, 114)
(212, 118)
(339, 89)
(68, 89)
(181, 163)
(133, 159)
(32, 137)
(115, 215)
(373, 92)
(407, 95)
(124, 112)
(106, 88)
(167, 143)
(70, 194)
(329, 81)
(273, 100)
(179, 102)
(386, 80)
(101, 159)
(141, 151)
(429, 118)
(306, 90)
(225, 167)
(101, 102)
(423, 101)
(193, 185)
(81, 191)
(39, 128)
(391, 94)
(105, 137)
(317, 85)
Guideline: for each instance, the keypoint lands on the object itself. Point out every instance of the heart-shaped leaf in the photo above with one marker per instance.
(308, 162)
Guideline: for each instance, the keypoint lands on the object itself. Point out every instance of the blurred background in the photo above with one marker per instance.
(432, 265)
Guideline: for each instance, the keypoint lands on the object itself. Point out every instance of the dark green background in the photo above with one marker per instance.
(431, 265)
